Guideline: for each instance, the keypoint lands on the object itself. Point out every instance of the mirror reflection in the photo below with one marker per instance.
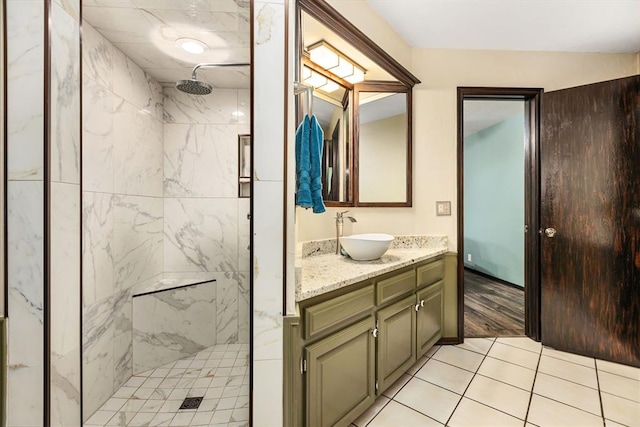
(382, 146)
(334, 119)
(364, 110)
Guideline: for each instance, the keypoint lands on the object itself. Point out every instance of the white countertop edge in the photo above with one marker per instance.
(312, 287)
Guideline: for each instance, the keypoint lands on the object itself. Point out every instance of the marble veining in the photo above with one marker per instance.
(137, 87)
(25, 271)
(137, 152)
(165, 325)
(99, 106)
(65, 390)
(65, 268)
(324, 273)
(138, 239)
(227, 308)
(24, 386)
(97, 354)
(97, 56)
(200, 160)
(98, 240)
(25, 65)
(216, 109)
(65, 94)
(200, 234)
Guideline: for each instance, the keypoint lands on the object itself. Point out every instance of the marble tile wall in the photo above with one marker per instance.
(65, 213)
(25, 205)
(269, 182)
(26, 190)
(160, 199)
(122, 208)
(163, 325)
(206, 227)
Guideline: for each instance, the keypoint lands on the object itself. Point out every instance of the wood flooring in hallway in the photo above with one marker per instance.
(491, 308)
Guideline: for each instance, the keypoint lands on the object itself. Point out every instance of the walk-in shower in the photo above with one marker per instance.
(193, 86)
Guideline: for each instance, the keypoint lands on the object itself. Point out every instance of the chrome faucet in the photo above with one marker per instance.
(339, 223)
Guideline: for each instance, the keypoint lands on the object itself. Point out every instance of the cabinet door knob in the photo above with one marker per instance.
(422, 303)
(375, 333)
(417, 307)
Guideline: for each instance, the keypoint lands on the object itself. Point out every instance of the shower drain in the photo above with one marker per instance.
(191, 403)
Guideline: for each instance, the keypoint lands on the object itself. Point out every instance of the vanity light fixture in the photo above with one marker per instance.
(318, 81)
(331, 59)
(192, 46)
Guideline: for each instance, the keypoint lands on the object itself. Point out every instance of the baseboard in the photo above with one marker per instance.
(449, 341)
(488, 276)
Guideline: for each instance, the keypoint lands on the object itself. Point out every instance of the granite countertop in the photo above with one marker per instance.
(328, 272)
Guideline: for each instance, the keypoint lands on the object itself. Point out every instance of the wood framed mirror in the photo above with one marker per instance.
(383, 142)
(367, 123)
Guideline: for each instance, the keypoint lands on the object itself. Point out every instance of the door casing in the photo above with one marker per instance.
(531, 98)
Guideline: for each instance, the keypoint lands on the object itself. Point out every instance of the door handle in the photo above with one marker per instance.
(550, 232)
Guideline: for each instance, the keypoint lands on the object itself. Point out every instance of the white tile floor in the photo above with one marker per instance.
(508, 382)
(220, 374)
(483, 382)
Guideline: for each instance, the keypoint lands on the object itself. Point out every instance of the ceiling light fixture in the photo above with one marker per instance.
(318, 81)
(192, 46)
(336, 62)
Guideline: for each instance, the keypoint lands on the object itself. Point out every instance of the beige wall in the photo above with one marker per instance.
(434, 165)
(370, 23)
(383, 160)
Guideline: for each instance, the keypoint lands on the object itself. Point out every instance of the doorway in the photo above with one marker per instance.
(497, 244)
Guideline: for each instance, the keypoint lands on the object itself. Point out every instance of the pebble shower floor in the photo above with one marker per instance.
(219, 374)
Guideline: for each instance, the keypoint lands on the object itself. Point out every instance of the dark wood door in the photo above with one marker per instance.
(590, 193)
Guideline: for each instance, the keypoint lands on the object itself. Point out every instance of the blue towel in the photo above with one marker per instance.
(317, 141)
(309, 142)
(303, 164)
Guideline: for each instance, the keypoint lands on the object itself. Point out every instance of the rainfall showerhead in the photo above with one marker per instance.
(194, 87)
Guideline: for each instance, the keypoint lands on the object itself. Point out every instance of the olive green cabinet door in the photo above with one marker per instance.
(429, 317)
(340, 376)
(396, 341)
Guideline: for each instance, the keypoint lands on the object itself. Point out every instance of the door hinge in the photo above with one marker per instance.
(303, 366)
(526, 228)
(375, 331)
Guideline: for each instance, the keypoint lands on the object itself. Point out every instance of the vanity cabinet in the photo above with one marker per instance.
(429, 317)
(396, 341)
(340, 375)
(348, 346)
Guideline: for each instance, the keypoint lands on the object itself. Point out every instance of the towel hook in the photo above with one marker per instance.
(299, 88)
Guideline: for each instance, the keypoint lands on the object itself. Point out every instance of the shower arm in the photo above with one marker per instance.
(215, 65)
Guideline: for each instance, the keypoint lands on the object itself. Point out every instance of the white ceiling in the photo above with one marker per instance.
(480, 114)
(146, 31)
(536, 25)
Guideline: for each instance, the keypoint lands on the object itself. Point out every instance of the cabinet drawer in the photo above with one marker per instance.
(395, 286)
(325, 315)
(431, 272)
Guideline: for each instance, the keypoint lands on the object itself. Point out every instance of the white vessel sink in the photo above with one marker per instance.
(366, 247)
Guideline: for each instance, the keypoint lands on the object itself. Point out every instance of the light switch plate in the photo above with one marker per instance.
(443, 208)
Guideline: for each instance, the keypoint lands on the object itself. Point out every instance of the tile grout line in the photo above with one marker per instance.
(472, 378)
(604, 422)
(397, 392)
(535, 376)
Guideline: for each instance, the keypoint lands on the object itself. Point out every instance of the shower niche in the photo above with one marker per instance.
(244, 166)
